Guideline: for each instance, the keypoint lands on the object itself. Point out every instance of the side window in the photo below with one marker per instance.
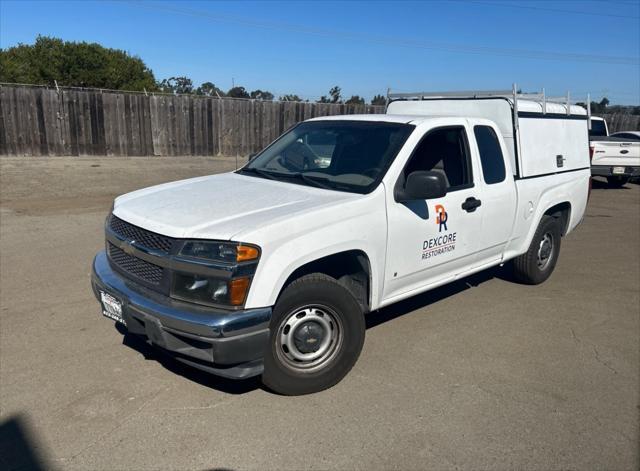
(490, 154)
(444, 150)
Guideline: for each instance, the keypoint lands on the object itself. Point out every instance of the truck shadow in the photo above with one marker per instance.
(597, 184)
(433, 296)
(139, 343)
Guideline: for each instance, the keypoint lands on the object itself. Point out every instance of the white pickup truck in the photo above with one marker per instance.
(269, 270)
(615, 156)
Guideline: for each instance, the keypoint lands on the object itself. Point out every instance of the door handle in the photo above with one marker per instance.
(470, 204)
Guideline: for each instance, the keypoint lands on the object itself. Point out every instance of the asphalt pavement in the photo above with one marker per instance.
(480, 374)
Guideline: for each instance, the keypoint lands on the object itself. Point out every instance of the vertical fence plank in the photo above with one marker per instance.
(4, 133)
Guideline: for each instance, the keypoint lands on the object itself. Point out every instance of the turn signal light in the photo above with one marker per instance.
(246, 252)
(238, 290)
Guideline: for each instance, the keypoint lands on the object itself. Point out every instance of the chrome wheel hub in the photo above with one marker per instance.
(308, 338)
(545, 251)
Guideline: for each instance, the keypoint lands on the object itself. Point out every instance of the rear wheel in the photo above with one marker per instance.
(317, 333)
(537, 264)
(617, 182)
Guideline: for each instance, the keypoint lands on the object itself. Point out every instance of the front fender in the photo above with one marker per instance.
(286, 246)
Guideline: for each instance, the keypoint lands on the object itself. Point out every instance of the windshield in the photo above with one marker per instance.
(598, 129)
(338, 155)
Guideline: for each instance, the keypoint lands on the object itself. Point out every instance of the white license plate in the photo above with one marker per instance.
(618, 170)
(111, 307)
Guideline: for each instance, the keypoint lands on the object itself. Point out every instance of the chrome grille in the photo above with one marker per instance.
(139, 268)
(142, 237)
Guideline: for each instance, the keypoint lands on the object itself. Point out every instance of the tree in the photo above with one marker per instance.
(354, 100)
(378, 100)
(177, 85)
(209, 89)
(76, 64)
(597, 108)
(334, 96)
(290, 98)
(261, 95)
(238, 92)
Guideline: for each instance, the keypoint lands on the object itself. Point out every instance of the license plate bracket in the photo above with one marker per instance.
(111, 307)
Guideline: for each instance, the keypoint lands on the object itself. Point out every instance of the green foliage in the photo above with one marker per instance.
(597, 108)
(334, 96)
(621, 109)
(262, 95)
(209, 89)
(238, 92)
(290, 98)
(379, 100)
(354, 100)
(77, 64)
(178, 85)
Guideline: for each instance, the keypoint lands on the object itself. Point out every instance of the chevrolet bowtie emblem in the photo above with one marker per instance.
(129, 248)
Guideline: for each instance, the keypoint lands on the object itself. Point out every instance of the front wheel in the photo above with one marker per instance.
(537, 264)
(317, 333)
(617, 182)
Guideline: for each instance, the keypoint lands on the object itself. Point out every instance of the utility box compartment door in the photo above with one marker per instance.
(550, 145)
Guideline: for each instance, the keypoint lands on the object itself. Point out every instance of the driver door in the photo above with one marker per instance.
(430, 241)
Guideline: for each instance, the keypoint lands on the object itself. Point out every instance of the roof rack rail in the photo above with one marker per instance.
(512, 94)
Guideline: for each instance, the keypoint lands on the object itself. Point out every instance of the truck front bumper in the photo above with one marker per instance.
(630, 171)
(225, 343)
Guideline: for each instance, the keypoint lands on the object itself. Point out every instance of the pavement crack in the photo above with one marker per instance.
(601, 361)
(117, 426)
(187, 408)
(596, 353)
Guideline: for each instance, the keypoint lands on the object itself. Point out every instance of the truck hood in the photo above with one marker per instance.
(220, 206)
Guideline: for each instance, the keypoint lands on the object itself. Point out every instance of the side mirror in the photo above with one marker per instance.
(421, 185)
(251, 156)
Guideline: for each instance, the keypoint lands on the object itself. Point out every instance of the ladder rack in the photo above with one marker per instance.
(512, 94)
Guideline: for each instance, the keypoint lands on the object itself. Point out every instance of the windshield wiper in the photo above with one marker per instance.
(314, 181)
(309, 180)
(259, 172)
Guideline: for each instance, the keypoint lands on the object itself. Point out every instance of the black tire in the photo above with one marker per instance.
(311, 298)
(532, 269)
(617, 182)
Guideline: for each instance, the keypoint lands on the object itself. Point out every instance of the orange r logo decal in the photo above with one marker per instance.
(441, 218)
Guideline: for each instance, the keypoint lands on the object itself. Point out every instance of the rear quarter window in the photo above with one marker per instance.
(491, 156)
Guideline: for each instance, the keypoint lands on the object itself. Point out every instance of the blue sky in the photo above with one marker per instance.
(362, 46)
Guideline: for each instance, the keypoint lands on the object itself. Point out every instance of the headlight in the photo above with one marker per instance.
(208, 290)
(212, 290)
(220, 251)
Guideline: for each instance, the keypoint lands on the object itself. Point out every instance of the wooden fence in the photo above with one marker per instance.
(622, 122)
(37, 121)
